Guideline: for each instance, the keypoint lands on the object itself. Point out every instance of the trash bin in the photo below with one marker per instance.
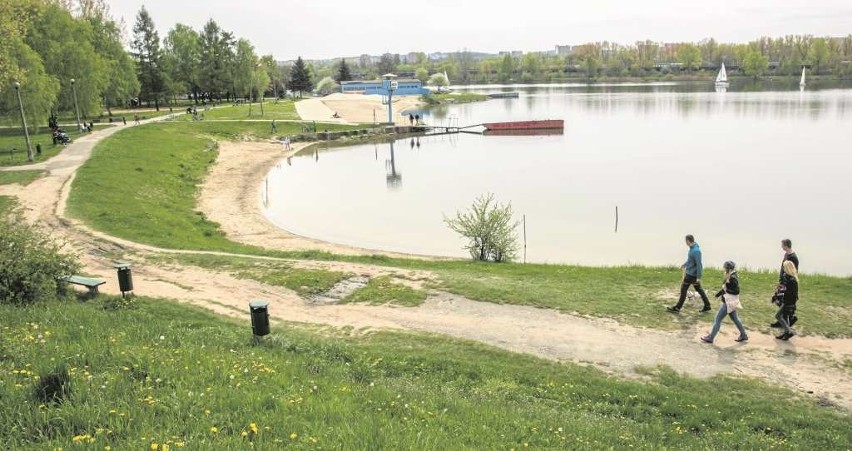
(125, 279)
(38, 149)
(259, 317)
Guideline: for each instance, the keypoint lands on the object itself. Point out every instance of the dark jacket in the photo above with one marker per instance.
(732, 286)
(791, 294)
(793, 258)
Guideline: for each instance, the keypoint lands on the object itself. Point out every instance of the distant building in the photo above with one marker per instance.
(412, 58)
(513, 53)
(407, 87)
(564, 50)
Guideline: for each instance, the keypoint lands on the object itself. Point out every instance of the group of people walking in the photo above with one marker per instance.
(785, 297)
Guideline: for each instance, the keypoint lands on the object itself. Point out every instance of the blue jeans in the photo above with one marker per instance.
(720, 315)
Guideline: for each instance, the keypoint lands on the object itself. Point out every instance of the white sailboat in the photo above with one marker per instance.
(722, 78)
(802, 81)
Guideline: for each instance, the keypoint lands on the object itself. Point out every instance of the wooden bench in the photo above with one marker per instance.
(91, 283)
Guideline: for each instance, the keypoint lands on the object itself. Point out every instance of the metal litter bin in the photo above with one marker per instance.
(259, 311)
(125, 279)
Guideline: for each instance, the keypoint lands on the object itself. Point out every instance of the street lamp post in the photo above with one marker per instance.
(24, 121)
(76, 108)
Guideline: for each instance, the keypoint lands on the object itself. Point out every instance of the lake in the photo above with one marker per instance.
(740, 170)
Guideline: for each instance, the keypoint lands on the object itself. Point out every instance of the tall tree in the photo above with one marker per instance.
(243, 68)
(121, 80)
(182, 55)
(216, 54)
(387, 64)
(755, 63)
(149, 58)
(300, 78)
(690, 56)
(818, 54)
(273, 72)
(343, 73)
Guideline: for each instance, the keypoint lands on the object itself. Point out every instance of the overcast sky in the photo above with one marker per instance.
(318, 29)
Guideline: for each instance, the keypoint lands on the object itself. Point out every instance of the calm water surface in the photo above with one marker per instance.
(739, 170)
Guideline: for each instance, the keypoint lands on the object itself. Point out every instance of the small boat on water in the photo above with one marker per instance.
(526, 125)
(722, 78)
(802, 81)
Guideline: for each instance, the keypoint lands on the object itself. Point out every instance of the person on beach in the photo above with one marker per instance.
(410, 118)
(692, 272)
(787, 247)
(787, 309)
(730, 294)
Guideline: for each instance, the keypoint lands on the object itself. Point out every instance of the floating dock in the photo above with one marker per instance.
(549, 124)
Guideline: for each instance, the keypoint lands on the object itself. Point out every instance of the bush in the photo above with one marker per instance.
(489, 227)
(30, 263)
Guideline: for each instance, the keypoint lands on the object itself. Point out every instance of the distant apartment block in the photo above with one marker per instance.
(564, 50)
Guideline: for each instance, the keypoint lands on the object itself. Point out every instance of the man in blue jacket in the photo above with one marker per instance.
(692, 272)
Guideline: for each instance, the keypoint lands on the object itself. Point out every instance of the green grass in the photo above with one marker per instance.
(141, 185)
(151, 372)
(459, 97)
(383, 290)
(19, 177)
(305, 282)
(7, 203)
(282, 110)
(13, 138)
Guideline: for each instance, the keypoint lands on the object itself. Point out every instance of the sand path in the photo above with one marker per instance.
(806, 364)
(356, 108)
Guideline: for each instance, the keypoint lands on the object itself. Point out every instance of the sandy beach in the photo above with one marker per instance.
(356, 108)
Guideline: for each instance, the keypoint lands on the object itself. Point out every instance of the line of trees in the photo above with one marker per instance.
(764, 56)
(46, 44)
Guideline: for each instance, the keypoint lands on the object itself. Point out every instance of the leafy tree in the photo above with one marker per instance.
(327, 86)
(690, 56)
(182, 55)
(38, 89)
(387, 64)
(489, 228)
(65, 48)
(507, 68)
(343, 73)
(149, 58)
(121, 80)
(754, 63)
(268, 63)
(243, 67)
(15, 19)
(421, 74)
(215, 53)
(438, 79)
(818, 54)
(300, 78)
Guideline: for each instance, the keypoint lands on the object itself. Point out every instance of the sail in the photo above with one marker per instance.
(723, 76)
(802, 81)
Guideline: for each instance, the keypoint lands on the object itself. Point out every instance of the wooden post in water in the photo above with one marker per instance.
(525, 239)
(616, 219)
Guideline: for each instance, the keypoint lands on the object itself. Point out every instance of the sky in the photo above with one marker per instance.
(324, 29)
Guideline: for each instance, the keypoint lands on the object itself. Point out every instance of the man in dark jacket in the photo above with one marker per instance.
(693, 270)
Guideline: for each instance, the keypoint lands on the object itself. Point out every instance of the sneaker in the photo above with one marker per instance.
(775, 324)
(741, 338)
(788, 335)
(705, 309)
(706, 339)
(673, 309)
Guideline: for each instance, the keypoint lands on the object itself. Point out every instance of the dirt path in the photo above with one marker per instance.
(807, 364)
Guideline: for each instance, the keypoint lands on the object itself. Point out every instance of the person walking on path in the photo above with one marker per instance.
(730, 294)
(693, 270)
(787, 309)
(274, 128)
(789, 255)
(124, 120)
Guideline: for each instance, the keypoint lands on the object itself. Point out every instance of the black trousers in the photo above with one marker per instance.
(684, 287)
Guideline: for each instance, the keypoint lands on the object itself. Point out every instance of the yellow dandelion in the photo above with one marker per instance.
(244, 434)
(180, 444)
(253, 427)
(214, 429)
(155, 446)
(165, 447)
(294, 436)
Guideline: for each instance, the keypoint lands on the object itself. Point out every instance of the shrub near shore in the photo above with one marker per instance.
(147, 373)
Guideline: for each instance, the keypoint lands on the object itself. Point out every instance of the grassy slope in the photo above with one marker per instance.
(167, 373)
(7, 203)
(19, 177)
(281, 110)
(141, 185)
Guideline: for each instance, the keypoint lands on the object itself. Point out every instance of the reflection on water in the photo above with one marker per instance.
(740, 170)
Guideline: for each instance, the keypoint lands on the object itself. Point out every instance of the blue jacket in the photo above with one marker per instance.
(693, 262)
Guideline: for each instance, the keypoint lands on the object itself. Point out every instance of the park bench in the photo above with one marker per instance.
(91, 283)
